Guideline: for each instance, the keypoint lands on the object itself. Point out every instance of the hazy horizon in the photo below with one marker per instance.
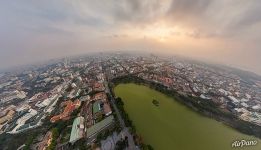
(225, 32)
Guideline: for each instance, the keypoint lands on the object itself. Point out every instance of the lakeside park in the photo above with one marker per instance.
(171, 125)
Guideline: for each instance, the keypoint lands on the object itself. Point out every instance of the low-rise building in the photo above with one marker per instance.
(77, 131)
(69, 108)
(96, 128)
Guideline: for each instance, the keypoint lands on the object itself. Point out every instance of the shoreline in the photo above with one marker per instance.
(201, 106)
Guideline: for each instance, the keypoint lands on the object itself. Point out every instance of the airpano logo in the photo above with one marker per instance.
(242, 143)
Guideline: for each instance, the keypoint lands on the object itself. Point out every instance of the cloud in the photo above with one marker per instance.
(138, 11)
(116, 36)
(31, 27)
(188, 8)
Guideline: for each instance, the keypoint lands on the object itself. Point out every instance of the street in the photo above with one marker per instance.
(125, 130)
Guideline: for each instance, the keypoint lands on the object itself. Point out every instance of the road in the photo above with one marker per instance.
(125, 131)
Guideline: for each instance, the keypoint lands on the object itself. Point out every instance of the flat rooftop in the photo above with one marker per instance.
(99, 126)
(77, 129)
(96, 107)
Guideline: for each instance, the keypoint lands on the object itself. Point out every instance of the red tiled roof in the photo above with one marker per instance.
(100, 95)
(69, 108)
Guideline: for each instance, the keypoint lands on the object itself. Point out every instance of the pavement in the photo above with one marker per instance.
(125, 131)
(110, 142)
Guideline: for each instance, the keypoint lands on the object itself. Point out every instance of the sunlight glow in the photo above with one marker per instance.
(162, 32)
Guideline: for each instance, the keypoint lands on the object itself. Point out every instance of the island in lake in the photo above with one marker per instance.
(155, 102)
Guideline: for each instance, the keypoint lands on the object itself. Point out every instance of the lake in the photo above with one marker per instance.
(173, 126)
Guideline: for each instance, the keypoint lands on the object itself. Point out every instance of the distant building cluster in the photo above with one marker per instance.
(232, 92)
(53, 92)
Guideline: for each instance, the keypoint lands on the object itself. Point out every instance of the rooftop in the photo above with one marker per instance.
(96, 107)
(77, 129)
(69, 108)
(99, 126)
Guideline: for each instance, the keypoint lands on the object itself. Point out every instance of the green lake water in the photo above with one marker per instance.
(173, 126)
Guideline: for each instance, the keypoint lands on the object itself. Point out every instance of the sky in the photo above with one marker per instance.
(218, 31)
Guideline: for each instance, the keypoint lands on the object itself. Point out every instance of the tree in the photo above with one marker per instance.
(55, 135)
(119, 101)
(99, 136)
(150, 147)
(29, 141)
(120, 145)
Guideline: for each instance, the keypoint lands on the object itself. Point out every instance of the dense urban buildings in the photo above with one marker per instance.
(75, 91)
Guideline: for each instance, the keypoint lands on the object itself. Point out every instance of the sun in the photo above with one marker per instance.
(161, 31)
(162, 39)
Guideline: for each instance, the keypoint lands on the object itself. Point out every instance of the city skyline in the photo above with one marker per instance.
(224, 31)
(113, 100)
